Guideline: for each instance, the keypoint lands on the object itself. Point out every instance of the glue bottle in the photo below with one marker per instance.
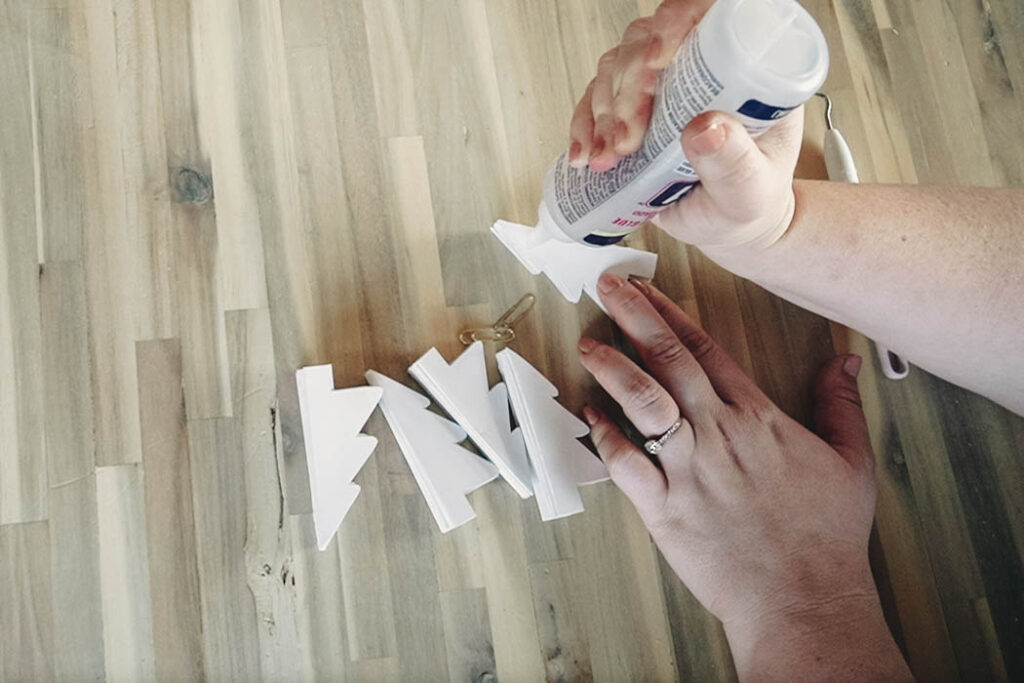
(758, 59)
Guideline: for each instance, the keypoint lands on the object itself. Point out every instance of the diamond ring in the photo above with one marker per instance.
(654, 446)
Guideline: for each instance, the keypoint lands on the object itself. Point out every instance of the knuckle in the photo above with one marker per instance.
(743, 166)
(630, 298)
(617, 460)
(608, 58)
(760, 411)
(582, 121)
(850, 396)
(602, 357)
(664, 12)
(604, 121)
(599, 436)
(642, 391)
(839, 391)
(665, 349)
(699, 343)
(637, 29)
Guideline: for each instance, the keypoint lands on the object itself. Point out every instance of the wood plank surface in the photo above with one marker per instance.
(198, 197)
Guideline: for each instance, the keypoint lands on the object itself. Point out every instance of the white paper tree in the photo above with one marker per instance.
(446, 472)
(335, 450)
(573, 268)
(513, 438)
(560, 462)
(461, 389)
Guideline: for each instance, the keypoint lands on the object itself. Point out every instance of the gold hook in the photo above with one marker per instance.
(501, 331)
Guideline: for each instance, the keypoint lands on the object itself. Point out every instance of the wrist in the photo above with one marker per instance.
(754, 257)
(844, 637)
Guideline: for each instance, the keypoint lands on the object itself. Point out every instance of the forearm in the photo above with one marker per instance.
(846, 640)
(935, 274)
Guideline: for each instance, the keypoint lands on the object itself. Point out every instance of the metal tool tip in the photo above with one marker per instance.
(828, 109)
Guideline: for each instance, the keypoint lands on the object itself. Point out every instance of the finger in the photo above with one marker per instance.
(602, 154)
(633, 49)
(634, 84)
(581, 130)
(670, 24)
(662, 353)
(838, 415)
(633, 105)
(645, 402)
(629, 467)
(729, 380)
(729, 163)
(781, 142)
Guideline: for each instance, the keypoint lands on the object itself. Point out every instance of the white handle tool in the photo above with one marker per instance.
(840, 166)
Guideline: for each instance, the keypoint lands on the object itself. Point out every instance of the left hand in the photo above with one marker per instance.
(764, 521)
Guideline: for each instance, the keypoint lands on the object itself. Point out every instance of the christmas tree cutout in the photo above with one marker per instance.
(513, 438)
(573, 268)
(560, 462)
(446, 472)
(335, 450)
(461, 389)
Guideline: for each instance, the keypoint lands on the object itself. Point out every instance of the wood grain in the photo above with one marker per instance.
(26, 651)
(75, 581)
(197, 198)
(124, 574)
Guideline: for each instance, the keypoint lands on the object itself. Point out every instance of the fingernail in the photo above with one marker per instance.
(589, 415)
(597, 148)
(586, 345)
(609, 282)
(709, 140)
(621, 133)
(641, 284)
(574, 151)
(851, 366)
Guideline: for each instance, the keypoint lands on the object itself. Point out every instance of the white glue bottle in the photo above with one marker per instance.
(758, 59)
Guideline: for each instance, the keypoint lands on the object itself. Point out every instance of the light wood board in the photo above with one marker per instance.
(198, 197)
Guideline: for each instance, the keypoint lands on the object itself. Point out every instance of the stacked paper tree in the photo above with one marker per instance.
(560, 462)
(573, 268)
(445, 471)
(335, 450)
(543, 455)
(461, 389)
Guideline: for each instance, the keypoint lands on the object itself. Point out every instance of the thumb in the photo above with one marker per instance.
(838, 415)
(730, 165)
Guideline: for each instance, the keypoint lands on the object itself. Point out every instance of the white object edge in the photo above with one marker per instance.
(461, 389)
(335, 450)
(445, 472)
(560, 463)
(571, 267)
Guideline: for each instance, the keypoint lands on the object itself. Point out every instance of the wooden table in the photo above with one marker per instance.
(198, 197)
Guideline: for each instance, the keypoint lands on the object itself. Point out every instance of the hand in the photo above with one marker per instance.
(745, 201)
(766, 523)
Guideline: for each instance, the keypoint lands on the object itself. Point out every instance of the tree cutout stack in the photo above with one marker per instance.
(461, 389)
(560, 462)
(543, 455)
(446, 472)
(335, 450)
(573, 268)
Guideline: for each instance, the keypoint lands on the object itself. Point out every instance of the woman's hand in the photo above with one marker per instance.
(765, 522)
(745, 202)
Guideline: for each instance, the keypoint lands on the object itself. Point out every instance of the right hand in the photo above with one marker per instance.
(745, 201)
